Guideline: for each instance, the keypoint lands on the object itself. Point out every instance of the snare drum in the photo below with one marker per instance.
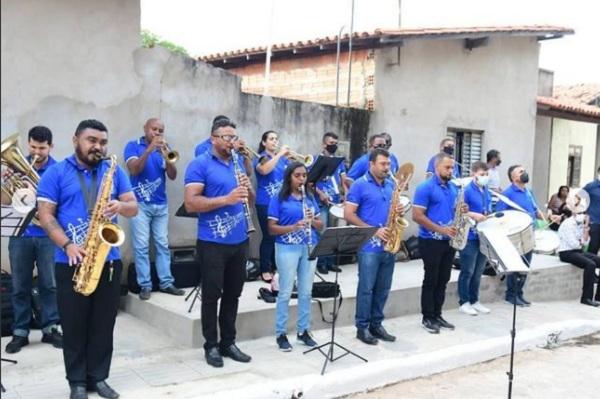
(337, 211)
(517, 226)
(546, 242)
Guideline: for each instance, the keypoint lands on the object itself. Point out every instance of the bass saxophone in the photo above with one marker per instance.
(396, 223)
(247, 213)
(101, 236)
(461, 223)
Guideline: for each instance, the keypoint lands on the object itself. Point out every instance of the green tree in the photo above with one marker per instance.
(150, 40)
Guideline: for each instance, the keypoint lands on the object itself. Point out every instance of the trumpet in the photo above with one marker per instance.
(248, 152)
(170, 156)
(307, 160)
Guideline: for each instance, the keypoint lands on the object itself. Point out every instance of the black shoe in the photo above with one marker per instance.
(283, 343)
(432, 326)
(104, 390)
(587, 301)
(173, 290)
(365, 336)
(306, 339)
(335, 268)
(54, 337)
(233, 352)
(16, 344)
(145, 294)
(381, 333)
(78, 392)
(322, 269)
(525, 302)
(213, 357)
(444, 324)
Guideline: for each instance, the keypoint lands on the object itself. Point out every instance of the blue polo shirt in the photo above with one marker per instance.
(290, 211)
(203, 147)
(149, 185)
(60, 186)
(327, 183)
(479, 200)
(268, 185)
(438, 200)
(593, 189)
(431, 167)
(522, 197)
(361, 166)
(373, 202)
(33, 230)
(225, 225)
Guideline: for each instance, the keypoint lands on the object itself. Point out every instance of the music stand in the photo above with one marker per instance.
(9, 361)
(339, 241)
(323, 167)
(182, 212)
(505, 259)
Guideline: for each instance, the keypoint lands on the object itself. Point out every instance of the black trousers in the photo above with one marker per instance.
(223, 275)
(88, 323)
(594, 239)
(589, 263)
(437, 261)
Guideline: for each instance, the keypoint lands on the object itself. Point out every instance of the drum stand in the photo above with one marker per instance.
(8, 361)
(197, 293)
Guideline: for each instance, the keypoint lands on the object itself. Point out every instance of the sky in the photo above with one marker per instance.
(206, 27)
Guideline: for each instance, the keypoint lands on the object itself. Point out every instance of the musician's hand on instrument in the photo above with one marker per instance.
(285, 151)
(309, 214)
(400, 209)
(464, 208)
(75, 254)
(478, 217)
(239, 143)
(449, 231)
(383, 233)
(555, 218)
(7, 173)
(299, 225)
(244, 180)
(112, 209)
(237, 195)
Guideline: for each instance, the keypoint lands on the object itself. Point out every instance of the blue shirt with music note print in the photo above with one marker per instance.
(149, 185)
(60, 185)
(227, 224)
(268, 186)
(289, 212)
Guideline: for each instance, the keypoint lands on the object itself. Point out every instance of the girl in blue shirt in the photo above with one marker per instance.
(269, 178)
(289, 213)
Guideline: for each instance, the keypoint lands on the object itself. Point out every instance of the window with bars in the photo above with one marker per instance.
(467, 149)
(574, 165)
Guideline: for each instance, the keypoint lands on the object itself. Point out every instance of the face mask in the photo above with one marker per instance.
(483, 180)
(331, 148)
(498, 162)
(580, 218)
(524, 177)
(382, 146)
(449, 150)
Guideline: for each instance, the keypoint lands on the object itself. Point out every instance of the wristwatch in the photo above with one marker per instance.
(64, 247)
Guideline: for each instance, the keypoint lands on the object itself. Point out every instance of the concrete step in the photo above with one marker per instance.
(549, 280)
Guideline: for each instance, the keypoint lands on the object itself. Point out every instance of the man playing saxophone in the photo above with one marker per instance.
(368, 204)
(433, 210)
(66, 196)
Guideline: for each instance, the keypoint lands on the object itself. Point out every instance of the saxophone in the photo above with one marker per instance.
(396, 223)
(101, 236)
(461, 223)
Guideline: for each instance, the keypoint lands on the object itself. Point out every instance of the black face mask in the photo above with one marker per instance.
(331, 148)
(498, 162)
(382, 146)
(524, 177)
(449, 150)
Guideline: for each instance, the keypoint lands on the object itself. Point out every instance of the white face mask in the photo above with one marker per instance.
(580, 218)
(483, 180)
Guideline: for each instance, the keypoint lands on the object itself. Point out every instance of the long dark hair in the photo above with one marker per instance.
(560, 189)
(286, 186)
(261, 146)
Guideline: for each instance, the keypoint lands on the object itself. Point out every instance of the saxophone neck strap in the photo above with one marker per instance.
(89, 192)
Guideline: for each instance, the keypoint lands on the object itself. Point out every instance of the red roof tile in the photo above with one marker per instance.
(568, 106)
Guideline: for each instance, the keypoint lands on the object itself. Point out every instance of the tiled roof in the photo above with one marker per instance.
(584, 92)
(383, 37)
(568, 107)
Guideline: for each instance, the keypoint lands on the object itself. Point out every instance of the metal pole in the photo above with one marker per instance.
(350, 54)
(337, 67)
(270, 44)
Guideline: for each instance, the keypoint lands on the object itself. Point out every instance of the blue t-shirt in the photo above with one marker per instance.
(431, 167)
(60, 185)
(203, 147)
(438, 199)
(149, 185)
(330, 185)
(268, 185)
(361, 166)
(593, 189)
(290, 211)
(373, 203)
(33, 230)
(522, 197)
(479, 200)
(225, 225)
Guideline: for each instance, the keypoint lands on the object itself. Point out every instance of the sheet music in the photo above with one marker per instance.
(13, 223)
(222, 226)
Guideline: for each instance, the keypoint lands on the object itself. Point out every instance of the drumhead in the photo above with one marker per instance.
(546, 242)
(508, 221)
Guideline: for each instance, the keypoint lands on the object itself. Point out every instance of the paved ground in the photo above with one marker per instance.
(571, 370)
(147, 364)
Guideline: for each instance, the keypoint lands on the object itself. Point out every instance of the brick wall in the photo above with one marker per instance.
(314, 78)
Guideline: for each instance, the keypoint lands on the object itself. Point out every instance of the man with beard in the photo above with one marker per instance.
(33, 248)
(66, 198)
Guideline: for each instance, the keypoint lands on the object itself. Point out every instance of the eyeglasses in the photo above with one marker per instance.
(228, 138)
